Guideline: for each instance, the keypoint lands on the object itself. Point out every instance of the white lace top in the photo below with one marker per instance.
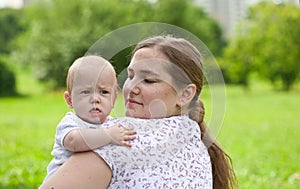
(168, 153)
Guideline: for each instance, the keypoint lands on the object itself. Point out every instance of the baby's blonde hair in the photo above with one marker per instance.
(78, 62)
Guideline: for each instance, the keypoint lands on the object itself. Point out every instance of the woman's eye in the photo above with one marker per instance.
(130, 76)
(149, 81)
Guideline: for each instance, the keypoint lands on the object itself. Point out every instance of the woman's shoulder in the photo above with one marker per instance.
(149, 124)
(151, 120)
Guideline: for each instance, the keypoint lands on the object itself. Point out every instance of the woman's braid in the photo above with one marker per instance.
(196, 111)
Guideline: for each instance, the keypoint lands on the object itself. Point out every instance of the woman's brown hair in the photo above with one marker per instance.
(186, 56)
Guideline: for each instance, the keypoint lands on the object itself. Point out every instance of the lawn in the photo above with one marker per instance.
(260, 132)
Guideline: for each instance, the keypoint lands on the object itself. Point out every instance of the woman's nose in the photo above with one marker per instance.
(135, 89)
(132, 86)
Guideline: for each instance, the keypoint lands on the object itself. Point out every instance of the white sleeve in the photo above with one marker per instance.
(67, 124)
(60, 153)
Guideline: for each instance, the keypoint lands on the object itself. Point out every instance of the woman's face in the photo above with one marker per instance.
(149, 91)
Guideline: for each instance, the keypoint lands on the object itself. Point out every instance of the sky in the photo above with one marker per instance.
(1, 3)
(11, 3)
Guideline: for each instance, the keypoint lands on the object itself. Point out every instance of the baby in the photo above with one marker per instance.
(91, 91)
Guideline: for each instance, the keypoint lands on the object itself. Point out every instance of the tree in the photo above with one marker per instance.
(205, 28)
(192, 18)
(11, 26)
(268, 42)
(236, 63)
(60, 32)
(7, 79)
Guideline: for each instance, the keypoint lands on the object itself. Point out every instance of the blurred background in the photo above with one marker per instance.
(255, 42)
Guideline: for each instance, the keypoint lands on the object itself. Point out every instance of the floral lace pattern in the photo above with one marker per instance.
(168, 153)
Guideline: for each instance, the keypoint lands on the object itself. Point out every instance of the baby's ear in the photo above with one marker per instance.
(188, 94)
(68, 99)
(114, 97)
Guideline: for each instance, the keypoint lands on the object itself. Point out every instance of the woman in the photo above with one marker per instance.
(173, 148)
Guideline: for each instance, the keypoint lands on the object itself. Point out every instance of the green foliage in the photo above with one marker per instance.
(192, 18)
(268, 43)
(236, 65)
(60, 32)
(205, 28)
(7, 80)
(10, 27)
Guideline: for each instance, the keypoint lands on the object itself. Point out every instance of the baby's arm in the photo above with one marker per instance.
(79, 140)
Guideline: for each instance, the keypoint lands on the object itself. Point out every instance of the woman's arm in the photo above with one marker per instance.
(80, 171)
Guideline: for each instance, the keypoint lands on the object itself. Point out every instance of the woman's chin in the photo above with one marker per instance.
(136, 114)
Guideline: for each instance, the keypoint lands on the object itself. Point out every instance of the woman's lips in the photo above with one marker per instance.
(133, 102)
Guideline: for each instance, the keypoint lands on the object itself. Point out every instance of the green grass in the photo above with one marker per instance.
(27, 129)
(260, 132)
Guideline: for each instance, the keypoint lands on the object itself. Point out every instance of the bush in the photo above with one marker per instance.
(50, 47)
(7, 80)
(11, 26)
(267, 43)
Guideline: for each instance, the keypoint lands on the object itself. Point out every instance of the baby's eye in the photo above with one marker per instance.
(104, 92)
(85, 92)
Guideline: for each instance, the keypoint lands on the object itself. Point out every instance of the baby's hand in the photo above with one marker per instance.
(120, 135)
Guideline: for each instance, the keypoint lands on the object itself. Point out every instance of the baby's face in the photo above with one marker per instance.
(94, 92)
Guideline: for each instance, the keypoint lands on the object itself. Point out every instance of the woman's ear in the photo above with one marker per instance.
(68, 99)
(188, 94)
